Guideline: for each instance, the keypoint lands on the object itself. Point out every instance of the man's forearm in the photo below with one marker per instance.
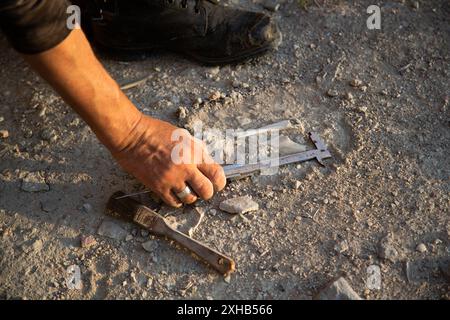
(75, 73)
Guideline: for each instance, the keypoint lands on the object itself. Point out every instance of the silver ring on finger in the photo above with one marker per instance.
(185, 193)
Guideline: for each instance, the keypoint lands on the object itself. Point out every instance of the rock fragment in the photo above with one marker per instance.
(239, 205)
(4, 134)
(111, 230)
(341, 247)
(87, 207)
(332, 93)
(37, 245)
(182, 113)
(422, 248)
(387, 250)
(34, 182)
(339, 289)
(356, 83)
(150, 246)
(87, 241)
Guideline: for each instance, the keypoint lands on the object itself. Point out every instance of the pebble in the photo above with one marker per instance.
(87, 241)
(298, 184)
(87, 207)
(332, 93)
(341, 247)
(111, 230)
(182, 113)
(212, 72)
(50, 205)
(129, 237)
(339, 289)
(144, 233)
(37, 245)
(387, 250)
(421, 248)
(48, 135)
(356, 83)
(34, 182)
(150, 246)
(4, 134)
(239, 205)
(215, 96)
(349, 96)
(2, 119)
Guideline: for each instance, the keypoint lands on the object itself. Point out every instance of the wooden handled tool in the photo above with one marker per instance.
(133, 211)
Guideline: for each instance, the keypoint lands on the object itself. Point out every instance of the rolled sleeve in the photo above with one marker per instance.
(34, 26)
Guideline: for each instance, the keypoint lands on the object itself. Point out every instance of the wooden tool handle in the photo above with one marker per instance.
(218, 261)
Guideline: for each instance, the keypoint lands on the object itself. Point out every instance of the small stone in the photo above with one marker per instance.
(129, 237)
(144, 233)
(37, 245)
(421, 248)
(86, 207)
(339, 289)
(332, 93)
(4, 134)
(34, 182)
(49, 205)
(387, 250)
(48, 135)
(415, 5)
(215, 96)
(2, 119)
(356, 83)
(150, 246)
(437, 241)
(182, 113)
(349, 96)
(87, 241)
(227, 279)
(239, 205)
(297, 184)
(133, 277)
(111, 230)
(341, 247)
(212, 72)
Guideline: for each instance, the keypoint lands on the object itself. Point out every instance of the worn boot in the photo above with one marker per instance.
(201, 29)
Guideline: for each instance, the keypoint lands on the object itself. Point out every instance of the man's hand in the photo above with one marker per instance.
(142, 145)
(148, 156)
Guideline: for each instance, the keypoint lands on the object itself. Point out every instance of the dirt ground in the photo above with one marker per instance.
(379, 98)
